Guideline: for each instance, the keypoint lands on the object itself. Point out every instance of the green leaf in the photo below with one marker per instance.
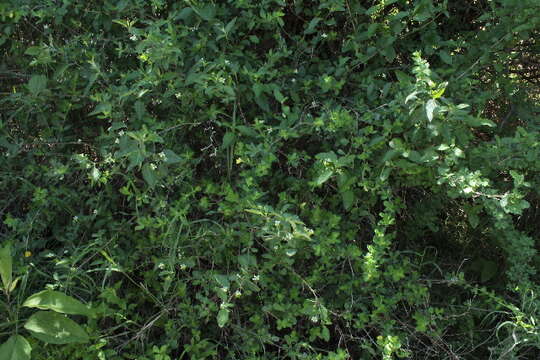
(57, 301)
(207, 13)
(6, 266)
(246, 131)
(149, 175)
(135, 159)
(431, 105)
(258, 89)
(312, 26)
(389, 155)
(102, 108)
(223, 317)
(230, 25)
(411, 96)
(327, 156)
(15, 348)
(140, 109)
(323, 177)
(477, 122)
(37, 84)
(278, 95)
(33, 50)
(290, 252)
(14, 283)
(171, 157)
(437, 93)
(228, 140)
(348, 199)
(55, 328)
(325, 334)
(445, 57)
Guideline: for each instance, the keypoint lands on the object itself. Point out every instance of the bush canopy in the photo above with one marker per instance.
(272, 179)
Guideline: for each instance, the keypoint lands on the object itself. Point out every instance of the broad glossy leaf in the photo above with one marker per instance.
(5, 265)
(55, 328)
(57, 301)
(15, 348)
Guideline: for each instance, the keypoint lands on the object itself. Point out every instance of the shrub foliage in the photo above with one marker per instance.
(275, 179)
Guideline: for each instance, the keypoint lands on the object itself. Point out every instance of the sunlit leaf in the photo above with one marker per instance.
(223, 317)
(431, 105)
(55, 328)
(57, 301)
(5, 266)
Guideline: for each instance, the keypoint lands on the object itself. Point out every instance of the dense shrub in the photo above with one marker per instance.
(277, 179)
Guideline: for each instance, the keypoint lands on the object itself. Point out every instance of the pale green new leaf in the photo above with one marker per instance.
(55, 328)
(15, 348)
(57, 301)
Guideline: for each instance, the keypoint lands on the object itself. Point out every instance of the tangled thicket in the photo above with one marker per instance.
(277, 179)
